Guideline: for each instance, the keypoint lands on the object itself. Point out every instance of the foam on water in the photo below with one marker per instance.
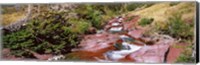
(116, 55)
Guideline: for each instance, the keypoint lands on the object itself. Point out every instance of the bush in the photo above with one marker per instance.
(90, 14)
(145, 21)
(174, 3)
(49, 33)
(178, 28)
(133, 6)
(185, 59)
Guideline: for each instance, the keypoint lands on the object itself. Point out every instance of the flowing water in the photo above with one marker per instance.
(120, 42)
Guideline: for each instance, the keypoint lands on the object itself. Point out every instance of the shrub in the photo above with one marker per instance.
(90, 14)
(50, 32)
(145, 21)
(185, 58)
(133, 6)
(178, 28)
(174, 3)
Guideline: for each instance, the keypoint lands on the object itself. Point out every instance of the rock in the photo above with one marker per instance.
(96, 42)
(130, 24)
(152, 53)
(114, 25)
(40, 56)
(7, 56)
(136, 33)
(174, 52)
(112, 20)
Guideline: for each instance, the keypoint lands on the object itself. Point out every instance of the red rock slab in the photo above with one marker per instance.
(174, 52)
(109, 25)
(112, 20)
(91, 38)
(136, 33)
(106, 27)
(90, 56)
(130, 24)
(96, 42)
(152, 53)
(116, 19)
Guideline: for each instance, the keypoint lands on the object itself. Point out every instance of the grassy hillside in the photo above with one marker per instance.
(162, 11)
(175, 19)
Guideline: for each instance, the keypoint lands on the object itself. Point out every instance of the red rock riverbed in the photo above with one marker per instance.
(95, 47)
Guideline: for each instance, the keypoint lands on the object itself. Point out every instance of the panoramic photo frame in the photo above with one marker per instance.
(135, 32)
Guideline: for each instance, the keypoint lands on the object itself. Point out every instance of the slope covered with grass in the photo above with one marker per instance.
(174, 19)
